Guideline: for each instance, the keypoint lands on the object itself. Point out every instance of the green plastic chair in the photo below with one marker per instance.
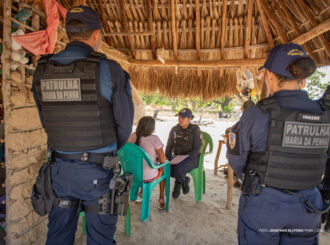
(131, 157)
(127, 221)
(198, 174)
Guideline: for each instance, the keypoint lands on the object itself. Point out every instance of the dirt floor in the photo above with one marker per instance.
(188, 222)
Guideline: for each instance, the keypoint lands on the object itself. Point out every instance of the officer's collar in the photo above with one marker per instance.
(282, 93)
(80, 44)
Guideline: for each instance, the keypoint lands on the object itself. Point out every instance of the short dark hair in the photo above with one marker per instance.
(78, 35)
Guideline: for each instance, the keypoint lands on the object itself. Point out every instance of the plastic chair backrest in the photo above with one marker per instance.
(207, 141)
(131, 156)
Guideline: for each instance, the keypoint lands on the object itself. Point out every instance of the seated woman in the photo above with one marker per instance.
(153, 146)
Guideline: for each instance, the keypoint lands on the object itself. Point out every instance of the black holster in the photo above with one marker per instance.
(251, 184)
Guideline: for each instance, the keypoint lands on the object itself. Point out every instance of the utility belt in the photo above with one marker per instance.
(251, 187)
(113, 202)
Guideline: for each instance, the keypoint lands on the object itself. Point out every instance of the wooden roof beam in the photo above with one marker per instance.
(265, 24)
(122, 5)
(104, 21)
(174, 32)
(310, 16)
(223, 28)
(277, 26)
(151, 29)
(312, 33)
(199, 63)
(198, 29)
(248, 29)
(79, 2)
(295, 26)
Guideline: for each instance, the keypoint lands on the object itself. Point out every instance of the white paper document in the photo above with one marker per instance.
(179, 158)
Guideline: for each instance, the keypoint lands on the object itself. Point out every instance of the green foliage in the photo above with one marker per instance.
(316, 84)
(195, 105)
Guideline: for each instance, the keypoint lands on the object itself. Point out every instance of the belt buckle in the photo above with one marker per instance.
(84, 157)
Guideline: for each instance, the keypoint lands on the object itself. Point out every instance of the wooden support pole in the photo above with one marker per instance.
(198, 29)
(230, 181)
(310, 16)
(174, 31)
(295, 26)
(248, 29)
(122, 5)
(265, 24)
(22, 24)
(104, 21)
(216, 162)
(36, 25)
(151, 29)
(277, 26)
(223, 28)
(200, 63)
(6, 91)
(314, 32)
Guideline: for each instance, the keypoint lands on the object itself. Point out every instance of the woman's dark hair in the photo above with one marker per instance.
(145, 127)
(77, 24)
(299, 69)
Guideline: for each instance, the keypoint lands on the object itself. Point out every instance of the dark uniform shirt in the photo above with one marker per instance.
(114, 87)
(254, 126)
(196, 145)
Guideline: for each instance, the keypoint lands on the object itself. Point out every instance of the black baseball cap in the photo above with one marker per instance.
(86, 15)
(281, 56)
(185, 112)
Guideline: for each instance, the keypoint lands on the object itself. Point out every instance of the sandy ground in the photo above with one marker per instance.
(188, 222)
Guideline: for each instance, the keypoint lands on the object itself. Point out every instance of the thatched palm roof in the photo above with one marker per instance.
(203, 42)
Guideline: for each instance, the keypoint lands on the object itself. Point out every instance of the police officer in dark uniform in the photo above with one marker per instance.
(86, 108)
(325, 185)
(279, 148)
(184, 139)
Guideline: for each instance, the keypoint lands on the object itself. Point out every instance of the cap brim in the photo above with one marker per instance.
(261, 67)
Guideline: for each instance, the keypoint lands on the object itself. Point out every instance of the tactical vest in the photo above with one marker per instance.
(296, 150)
(183, 139)
(76, 116)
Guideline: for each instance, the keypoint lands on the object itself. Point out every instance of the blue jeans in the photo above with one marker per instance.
(72, 180)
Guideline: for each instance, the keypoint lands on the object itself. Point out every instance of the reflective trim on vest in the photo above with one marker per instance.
(76, 116)
(296, 150)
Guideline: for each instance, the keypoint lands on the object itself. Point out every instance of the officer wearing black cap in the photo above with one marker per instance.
(184, 139)
(86, 108)
(279, 148)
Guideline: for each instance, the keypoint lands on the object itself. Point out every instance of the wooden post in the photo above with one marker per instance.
(230, 181)
(215, 170)
(223, 27)
(198, 29)
(277, 26)
(6, 91)
(122, 5)
(151, 29)
(248, 29)
(295, 26)
(310, 16)
(265, 24)
(36, 25)
(174, 31)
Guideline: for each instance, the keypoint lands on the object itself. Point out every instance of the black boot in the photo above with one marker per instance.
(176, 190)
(185, 185)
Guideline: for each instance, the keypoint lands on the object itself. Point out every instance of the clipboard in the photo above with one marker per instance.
(177, 159)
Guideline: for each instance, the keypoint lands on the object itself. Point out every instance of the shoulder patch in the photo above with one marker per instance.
(233, 142)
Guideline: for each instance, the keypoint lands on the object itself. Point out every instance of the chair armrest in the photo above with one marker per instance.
(156, 166)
